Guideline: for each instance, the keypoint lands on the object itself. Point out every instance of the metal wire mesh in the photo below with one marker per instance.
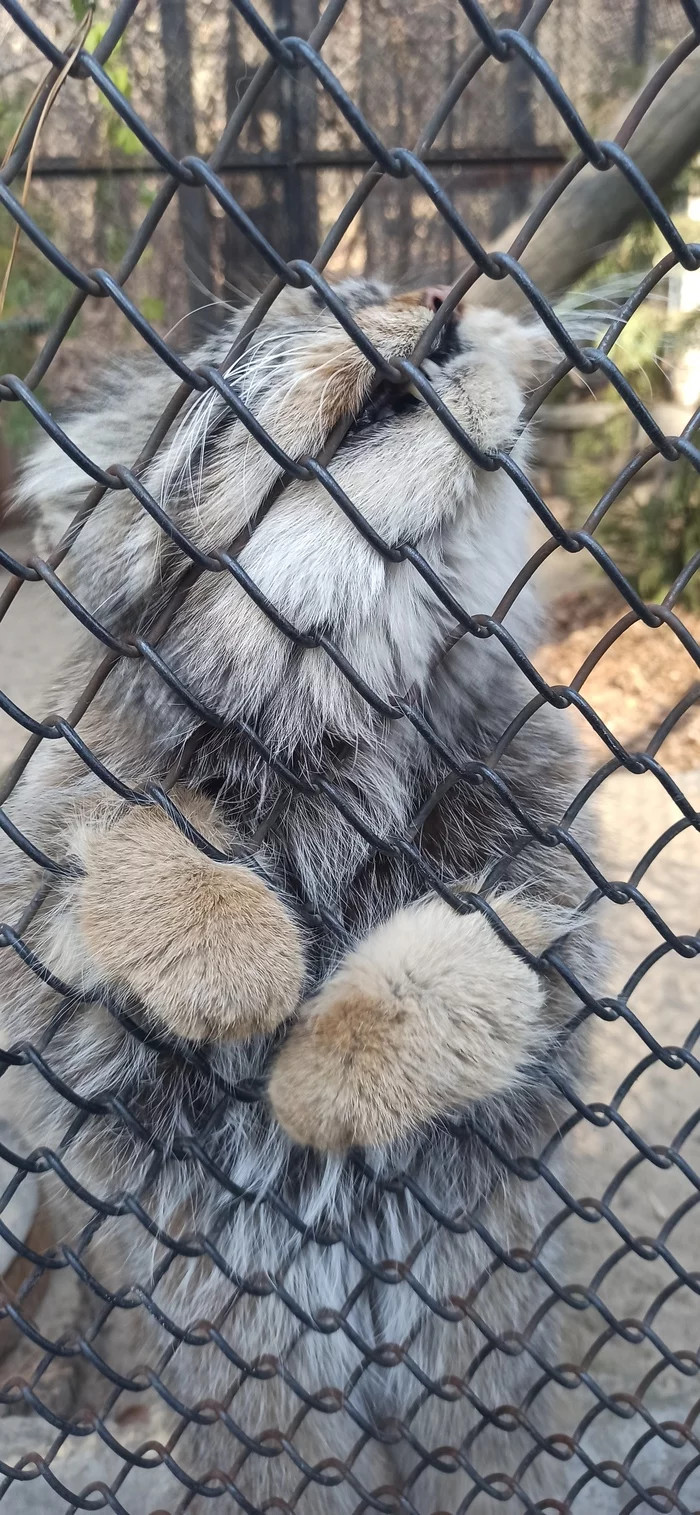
(592, 1480)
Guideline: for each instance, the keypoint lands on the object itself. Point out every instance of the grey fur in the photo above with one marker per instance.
(412, 483)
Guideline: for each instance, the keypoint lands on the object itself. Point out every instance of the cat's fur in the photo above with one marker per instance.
(415, 1028)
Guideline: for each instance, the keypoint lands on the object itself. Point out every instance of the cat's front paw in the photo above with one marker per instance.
(341, 1080)
(207, 948)
(432, 1012)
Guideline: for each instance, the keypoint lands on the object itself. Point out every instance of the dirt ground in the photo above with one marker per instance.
(638, 681)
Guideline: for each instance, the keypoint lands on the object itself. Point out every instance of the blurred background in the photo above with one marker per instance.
(296, 162)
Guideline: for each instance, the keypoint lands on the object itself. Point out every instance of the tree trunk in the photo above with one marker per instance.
(520, 128)
(235, 245)
(298, 114)
(182, 139)
(283, 203)
(597, 208)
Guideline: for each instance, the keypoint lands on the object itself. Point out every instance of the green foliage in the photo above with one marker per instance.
(593, 454)
(653, 529)
(654, 537)
(36, 293)
(115, 141)
(153, 309)
(118, 137)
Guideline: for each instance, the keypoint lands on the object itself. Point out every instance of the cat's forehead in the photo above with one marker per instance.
(358, 293)
(306, 304)
(305, 310)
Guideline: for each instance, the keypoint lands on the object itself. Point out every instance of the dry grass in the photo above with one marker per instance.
(636, 683)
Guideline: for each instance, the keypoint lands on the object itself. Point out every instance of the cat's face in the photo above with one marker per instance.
(302, 376)
(300, 357)
(323, 561)
(330, 562)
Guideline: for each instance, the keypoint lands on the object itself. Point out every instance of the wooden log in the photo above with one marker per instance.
(598, 207)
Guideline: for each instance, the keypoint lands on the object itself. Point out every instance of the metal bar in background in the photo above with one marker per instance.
(530, 157)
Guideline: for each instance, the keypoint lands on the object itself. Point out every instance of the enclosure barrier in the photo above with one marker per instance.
(599, 1479)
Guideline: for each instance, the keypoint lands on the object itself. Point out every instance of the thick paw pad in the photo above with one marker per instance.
(206, 947)
(432, 1012)
(334, 1084)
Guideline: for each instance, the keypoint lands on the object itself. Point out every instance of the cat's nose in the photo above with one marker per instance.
(434, 295)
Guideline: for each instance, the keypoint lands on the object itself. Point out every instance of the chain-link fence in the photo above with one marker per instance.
(200, 1309)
